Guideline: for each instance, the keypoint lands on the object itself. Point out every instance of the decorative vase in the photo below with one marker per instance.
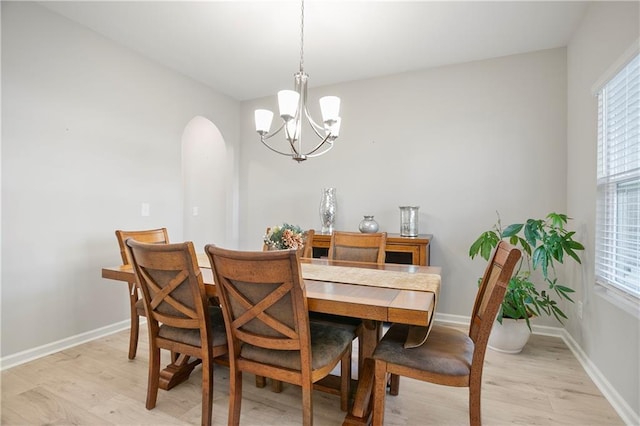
(409, 221)
(328, 207)
(368, 225)
(510, 336)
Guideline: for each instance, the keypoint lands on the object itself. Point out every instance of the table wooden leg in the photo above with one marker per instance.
(394, 384)
(276, 386)
(178, 371)
(371, 334)
(360, 413)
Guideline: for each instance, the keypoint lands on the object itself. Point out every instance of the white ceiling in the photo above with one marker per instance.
(250, 49)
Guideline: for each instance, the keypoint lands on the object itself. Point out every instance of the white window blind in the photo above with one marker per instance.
(617, 260)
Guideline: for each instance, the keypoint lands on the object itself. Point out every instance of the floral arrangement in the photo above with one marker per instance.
(284, 237)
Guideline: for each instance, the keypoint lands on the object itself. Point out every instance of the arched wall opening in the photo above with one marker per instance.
(205, 181)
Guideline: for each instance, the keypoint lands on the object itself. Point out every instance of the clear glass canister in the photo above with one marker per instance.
(409, 221)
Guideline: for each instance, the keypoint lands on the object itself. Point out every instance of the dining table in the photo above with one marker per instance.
(374, 293)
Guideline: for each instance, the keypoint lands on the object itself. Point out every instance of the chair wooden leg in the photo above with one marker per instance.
(345, 380)
(135, 321)
(235, 396)
(261, 381)
(475, 386)
(154, 377)
(207, 390)
(307, 404)
(379, 392)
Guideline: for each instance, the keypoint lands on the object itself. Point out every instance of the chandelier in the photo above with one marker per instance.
(293, 109)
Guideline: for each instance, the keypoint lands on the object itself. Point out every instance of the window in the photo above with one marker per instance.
(618, 207)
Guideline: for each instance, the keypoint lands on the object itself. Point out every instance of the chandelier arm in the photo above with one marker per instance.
(313, 154)
(288, 154)
(319, 145)
(291, 139)
(272, 134)
(264, 138)
(315, 126)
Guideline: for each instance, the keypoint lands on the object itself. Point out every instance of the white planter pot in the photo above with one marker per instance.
(510, 336)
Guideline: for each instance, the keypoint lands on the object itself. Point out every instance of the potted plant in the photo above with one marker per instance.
(544, 243)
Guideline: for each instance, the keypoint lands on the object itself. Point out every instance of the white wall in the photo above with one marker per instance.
(89, 131)
(460, 142)
(609, 336)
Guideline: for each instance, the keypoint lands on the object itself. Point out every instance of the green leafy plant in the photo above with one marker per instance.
(544, 243)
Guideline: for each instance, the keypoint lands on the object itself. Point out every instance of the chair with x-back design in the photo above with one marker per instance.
(156, 236)
(266, 314)
(179, 316)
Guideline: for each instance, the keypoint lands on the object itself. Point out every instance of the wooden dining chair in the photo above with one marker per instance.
(448, 357)
(355, 247)
(157, 236)
(307, 251)
(179, 316)
(267, 318)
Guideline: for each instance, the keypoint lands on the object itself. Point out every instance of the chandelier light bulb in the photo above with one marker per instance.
(288, 103)
(263, 118)
(330, 107)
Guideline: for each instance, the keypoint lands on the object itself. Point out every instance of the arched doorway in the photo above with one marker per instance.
(205, 183)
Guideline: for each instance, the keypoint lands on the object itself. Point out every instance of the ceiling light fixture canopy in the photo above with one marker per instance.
(293, 108)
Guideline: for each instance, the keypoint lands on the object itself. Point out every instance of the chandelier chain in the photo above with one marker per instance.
(302, 37)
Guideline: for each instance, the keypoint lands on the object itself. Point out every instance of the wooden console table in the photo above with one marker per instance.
(406, 250)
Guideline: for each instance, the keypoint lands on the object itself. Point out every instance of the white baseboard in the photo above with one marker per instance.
(50, 348)
(621, 406)
(618, 403)
(452, 319)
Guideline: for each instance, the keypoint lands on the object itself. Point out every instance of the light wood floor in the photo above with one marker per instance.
(95, 384)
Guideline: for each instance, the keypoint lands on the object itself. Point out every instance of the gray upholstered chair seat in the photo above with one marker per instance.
(327, 342)
(192, 336)
(446, 351)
